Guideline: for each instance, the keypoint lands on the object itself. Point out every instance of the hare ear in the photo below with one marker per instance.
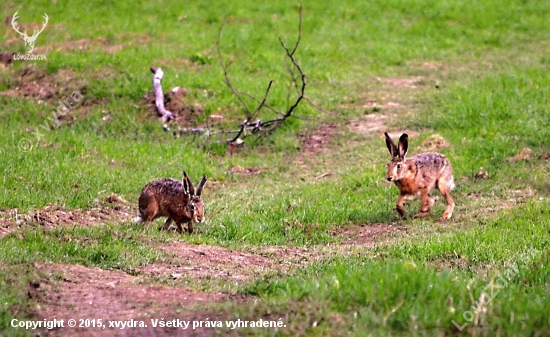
(201, 185)
(391, 146)
(403, 145)
(191, 189)
(185, 184)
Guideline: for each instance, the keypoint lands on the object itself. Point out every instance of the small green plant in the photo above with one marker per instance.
(201, 59)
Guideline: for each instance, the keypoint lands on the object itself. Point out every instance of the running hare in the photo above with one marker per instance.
(419, 175)
(174, 199)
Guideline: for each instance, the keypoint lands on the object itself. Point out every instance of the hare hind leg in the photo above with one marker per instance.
(445, 189)
(149, 213)
(148, 208)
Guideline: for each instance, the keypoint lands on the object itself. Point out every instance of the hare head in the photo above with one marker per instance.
(397, 167)
(195, 206)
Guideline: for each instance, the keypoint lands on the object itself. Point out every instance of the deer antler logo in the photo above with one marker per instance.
(29, 40)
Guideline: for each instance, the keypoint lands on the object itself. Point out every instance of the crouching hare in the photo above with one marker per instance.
(419, 175)
(174, 199)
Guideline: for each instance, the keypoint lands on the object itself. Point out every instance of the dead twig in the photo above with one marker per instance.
(326, 111)
(227, 80)
(252, 122)
(264, 118)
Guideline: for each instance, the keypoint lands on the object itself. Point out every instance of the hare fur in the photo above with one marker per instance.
(419, 175)
(174, 199)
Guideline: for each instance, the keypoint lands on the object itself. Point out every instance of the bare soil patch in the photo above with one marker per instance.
(33, 82)
(80, 293)
(112, 209)
(81, 44)
(396, 95)
(372, 123)
(213, 262)
(386, 103)
(64, 92)
(407, 83)
(314, 142)
(398, 133)
(6, 59)
(374, 106)
(318, 140)
(247, 171)
(88, 293)
(368, 235)
(489, 205)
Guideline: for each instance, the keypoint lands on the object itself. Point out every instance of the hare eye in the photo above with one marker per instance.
(398, 166)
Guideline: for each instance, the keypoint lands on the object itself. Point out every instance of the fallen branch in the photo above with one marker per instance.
(159, 95)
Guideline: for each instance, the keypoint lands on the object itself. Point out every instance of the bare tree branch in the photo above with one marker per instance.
(225, 67)
(302, 75)
(265, 104)
(253, 123)
(290, 55)
(269, 125)
(262, 103)
(299, 28)
(325, 111)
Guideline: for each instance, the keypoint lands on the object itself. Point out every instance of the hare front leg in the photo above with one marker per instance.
(426, 204)
(400, 208)
(189, 227)
(167, 224)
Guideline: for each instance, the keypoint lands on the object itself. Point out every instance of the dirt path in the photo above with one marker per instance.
(80, 293)
(112, 209)
(92, 293)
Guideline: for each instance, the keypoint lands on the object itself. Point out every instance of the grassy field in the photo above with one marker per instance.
(469, 79)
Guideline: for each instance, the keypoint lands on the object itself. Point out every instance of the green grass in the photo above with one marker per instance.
(108, 247)
(482, 85)
(489, 244)
(15, 301)
(409, 287)
(496, 117)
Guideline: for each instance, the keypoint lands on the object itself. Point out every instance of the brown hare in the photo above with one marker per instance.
(418, 175)
(174, 199)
